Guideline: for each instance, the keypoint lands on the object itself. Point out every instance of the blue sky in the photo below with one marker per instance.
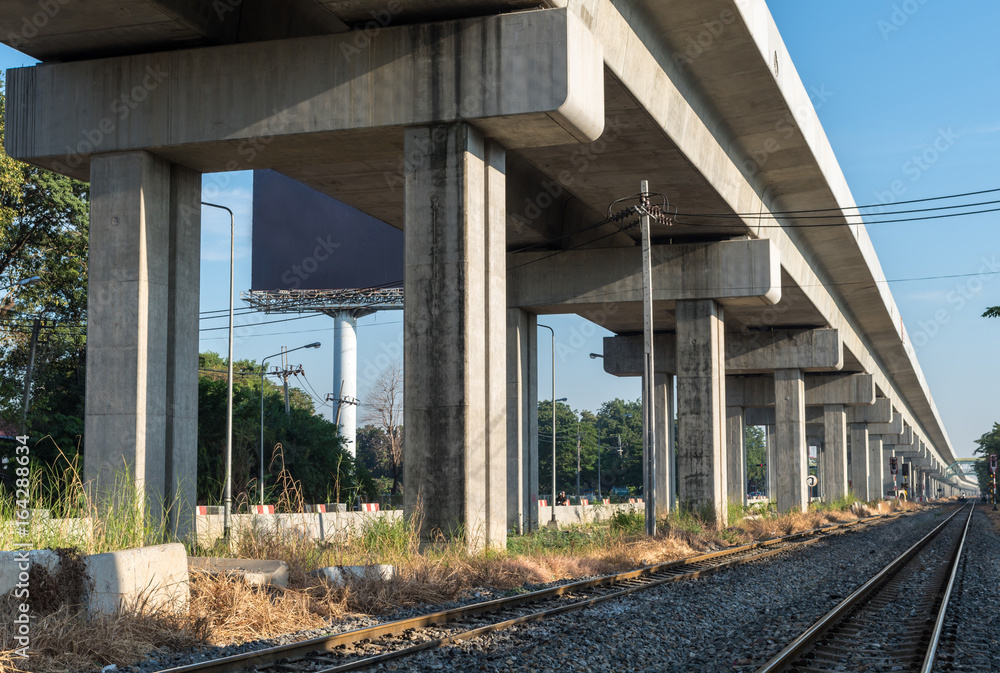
(898, 77)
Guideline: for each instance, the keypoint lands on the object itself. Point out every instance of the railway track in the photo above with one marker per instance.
(894, 621)
(362, 648)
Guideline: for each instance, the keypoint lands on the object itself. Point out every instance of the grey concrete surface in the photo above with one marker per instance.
(877, 466)
(736, 462)
(834, 452)
(584, 100)
(859, 455)
(257, 572)
(819, 389)
(663, 410)
(455, 334)
(701, 443)
(790, 454)
(522, 420)
(142, 334)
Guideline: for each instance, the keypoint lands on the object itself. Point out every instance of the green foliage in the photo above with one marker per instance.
(756, 452)
(992, 312)
(615, 431)
(986, 445)
(630, 521)
(572, 539)
(44, 227)
(684, 521)
(312, 449)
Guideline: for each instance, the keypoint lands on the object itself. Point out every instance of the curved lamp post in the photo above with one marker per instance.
(552, 522)
(227, 499)
(263, 360)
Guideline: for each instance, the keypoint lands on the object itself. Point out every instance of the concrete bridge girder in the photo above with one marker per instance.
(431, 94)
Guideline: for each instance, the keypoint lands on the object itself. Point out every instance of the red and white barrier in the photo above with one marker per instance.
(543, 503)
(370, 506)
(263, 509)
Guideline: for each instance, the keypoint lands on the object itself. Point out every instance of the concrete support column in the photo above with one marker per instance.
(522, 421)
(345, 374)
(791, 459)
(736, 456)
(455, 333)
(877, 467)
(772, 443)
(859, 461)
(834, 452)
(701, 382)
(142, 335)
(663, 412)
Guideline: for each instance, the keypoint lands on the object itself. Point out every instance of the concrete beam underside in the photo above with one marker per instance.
(455, 331)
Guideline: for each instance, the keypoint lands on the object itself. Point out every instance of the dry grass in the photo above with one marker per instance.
(64, 640)
(225, 610)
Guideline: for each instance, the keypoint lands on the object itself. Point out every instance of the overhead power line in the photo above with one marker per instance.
(841, 209)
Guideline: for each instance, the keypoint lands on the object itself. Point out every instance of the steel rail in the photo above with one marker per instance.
(810, 636)
(241, 662)
(928, 664)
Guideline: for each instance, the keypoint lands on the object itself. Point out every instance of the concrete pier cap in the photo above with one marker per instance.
(548, 65)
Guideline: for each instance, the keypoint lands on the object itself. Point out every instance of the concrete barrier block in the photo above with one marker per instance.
(339, 574)
(14, 563)
(155, 577)
(254, 572)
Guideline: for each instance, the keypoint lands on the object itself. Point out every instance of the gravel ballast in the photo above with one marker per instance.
(733, 621)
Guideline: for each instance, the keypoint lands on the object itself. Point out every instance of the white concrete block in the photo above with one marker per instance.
(339, 574)
(14, 563)
(156, 577)
(254, 572)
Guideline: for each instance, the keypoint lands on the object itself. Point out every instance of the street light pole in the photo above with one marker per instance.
(263, 360)
(552, 522)
(227, 500)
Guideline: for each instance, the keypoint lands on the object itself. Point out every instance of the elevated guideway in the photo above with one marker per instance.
(523, 122)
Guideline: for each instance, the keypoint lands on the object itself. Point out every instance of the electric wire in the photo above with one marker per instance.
(874, 205)
(789, 225)
(840, 214)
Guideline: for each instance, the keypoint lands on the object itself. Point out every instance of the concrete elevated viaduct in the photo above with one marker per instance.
(496, 134)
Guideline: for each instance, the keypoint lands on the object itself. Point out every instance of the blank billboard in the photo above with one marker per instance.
(306, 240)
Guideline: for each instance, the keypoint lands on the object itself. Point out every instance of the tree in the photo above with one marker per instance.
(986, 445)
(311, 447)
(44, 227)
(756, 453)
(384, 410)
(992, 312)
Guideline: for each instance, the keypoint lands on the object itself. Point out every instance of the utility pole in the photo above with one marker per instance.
(27, 375)
(578, 458)
(648, 415)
